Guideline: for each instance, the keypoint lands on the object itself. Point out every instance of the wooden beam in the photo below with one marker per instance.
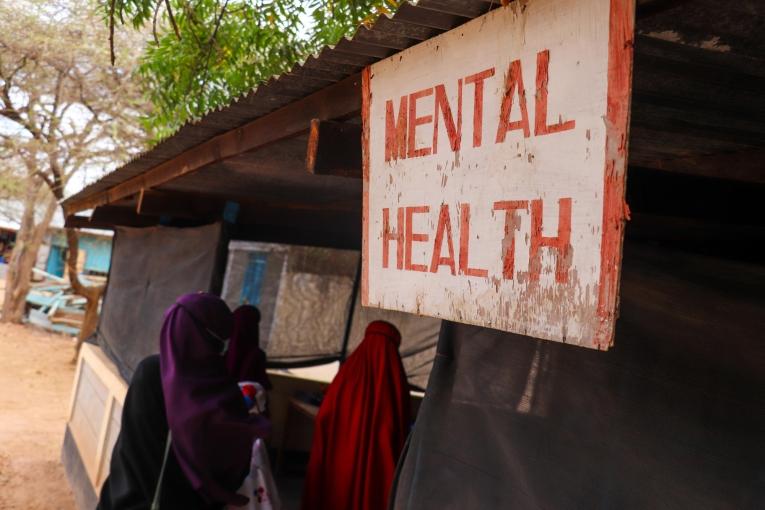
(84, 222)
(204, 206)
(334, 148)
(649, 8)
(301, 226)
(193, 206)
(109, 216)
(693, 232)
(745, 166)
(107, 224)
(309, 218)
(663, 193)
(340, 100)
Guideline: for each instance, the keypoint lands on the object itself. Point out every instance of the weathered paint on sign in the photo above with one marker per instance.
(494, 169)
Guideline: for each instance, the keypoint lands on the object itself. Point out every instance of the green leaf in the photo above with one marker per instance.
(222, 55)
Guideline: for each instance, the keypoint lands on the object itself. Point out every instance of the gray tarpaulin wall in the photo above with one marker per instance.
(305, 295)
(150, 268)
(673, 416)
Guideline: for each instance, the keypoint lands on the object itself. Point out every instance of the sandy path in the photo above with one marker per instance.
(35, 382)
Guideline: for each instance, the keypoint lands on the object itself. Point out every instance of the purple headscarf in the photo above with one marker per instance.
(212, 431)
(245, 360)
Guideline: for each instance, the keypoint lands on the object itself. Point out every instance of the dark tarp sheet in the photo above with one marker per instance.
(150, 268)
(673, 416)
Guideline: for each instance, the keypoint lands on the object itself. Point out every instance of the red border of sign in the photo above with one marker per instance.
(615, 210)
(366, 100)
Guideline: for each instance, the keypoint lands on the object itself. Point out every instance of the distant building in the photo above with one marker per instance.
(96, 250)
(95, 246)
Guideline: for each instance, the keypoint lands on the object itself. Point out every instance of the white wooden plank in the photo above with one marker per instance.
(89, 413)
(111, 438)
(102, 436)
(98, 397)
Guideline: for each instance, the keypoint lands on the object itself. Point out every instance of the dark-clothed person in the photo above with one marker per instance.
(245, 360)
(139, 450)
(189, 392)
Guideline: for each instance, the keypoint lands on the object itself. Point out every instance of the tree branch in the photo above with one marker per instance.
(193, 20)
(53, 124)
(211, 45)
(10, 111)
(172, 19)
(48, 181)
(111, 31)
(154, 22)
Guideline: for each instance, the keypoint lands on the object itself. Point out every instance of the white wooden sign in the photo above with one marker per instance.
(494, 171)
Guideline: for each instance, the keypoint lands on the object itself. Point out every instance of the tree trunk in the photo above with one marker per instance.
(24, 256)
(91, 293)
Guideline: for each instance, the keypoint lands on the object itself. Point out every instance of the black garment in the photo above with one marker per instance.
(140, 448)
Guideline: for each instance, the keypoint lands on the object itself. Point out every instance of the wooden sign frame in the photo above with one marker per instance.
(583, 312)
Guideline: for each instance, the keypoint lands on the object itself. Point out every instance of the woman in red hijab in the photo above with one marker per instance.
(361, 427)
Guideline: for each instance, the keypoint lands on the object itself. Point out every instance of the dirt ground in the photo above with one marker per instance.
(35, 382)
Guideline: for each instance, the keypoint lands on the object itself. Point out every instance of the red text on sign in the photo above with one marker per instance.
(405, 236)
(413, 112)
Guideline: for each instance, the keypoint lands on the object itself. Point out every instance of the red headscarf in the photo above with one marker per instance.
(245, 360)
(361, 427)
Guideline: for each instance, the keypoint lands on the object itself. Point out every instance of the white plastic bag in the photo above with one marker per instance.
(259, 484)
(254, 396)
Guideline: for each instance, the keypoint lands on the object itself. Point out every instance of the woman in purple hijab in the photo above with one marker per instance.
(212, 431)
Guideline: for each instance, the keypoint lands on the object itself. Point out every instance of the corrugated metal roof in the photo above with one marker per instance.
(409, 26)
(673, 79)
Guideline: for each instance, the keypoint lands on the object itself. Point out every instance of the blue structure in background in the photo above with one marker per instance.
(56, 263)
(253, 278)
(98, 254)
(230, 212)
